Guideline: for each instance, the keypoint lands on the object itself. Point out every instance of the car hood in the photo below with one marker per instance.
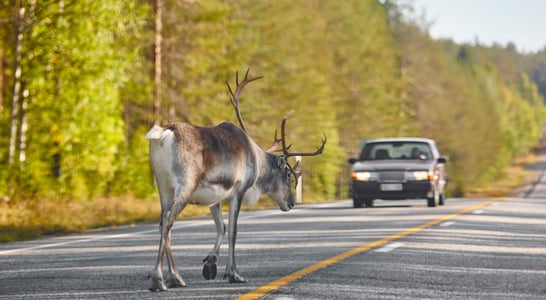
(393, 165)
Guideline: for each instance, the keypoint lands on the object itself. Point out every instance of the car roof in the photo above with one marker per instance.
(398, 139)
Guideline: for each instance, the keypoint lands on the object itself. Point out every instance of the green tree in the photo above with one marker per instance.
(73, 72)
(350, 69)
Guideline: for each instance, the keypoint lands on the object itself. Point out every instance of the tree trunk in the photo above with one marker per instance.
(15, 100)
(24, 105)
(1, 81)
(24, 129)
(156, 107)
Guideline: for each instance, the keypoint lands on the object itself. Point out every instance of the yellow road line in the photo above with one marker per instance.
(276, 284)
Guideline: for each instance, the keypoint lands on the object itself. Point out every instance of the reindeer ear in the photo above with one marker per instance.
(281, 161)
(297, 167)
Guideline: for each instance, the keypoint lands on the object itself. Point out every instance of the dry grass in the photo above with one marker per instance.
(515, 179)
(30, 219)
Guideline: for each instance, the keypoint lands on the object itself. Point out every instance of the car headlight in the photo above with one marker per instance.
(421, 175)
(363, 176)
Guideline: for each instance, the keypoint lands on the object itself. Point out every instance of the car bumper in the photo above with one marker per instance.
(405, 190)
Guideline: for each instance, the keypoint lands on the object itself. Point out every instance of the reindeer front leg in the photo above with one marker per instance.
(209, 267)
(231, 268)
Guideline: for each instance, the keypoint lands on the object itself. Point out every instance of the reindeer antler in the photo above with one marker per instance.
(285, 148)
(275, 146)
(296, 170)
(235, 95)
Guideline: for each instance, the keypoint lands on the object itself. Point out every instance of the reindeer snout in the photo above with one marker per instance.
(287, 204)
(290, 203)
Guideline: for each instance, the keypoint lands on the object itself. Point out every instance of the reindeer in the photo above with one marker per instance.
(207, 165)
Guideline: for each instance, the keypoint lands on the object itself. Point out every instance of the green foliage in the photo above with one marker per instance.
(133, 174)
(351, 70)
(73, 70)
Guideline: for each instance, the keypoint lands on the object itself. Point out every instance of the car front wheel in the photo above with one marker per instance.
(357, 203)
(431, 201)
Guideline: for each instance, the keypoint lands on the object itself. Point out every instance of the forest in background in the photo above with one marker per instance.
(82, 80)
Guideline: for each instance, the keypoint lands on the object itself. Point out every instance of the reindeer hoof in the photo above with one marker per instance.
(157, 289)
(158, 286)
(174, 280)
(209, 270)
(236, 278)
(157, 282)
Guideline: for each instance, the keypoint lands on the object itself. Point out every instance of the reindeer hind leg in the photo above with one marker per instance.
(173, 277)
(156, 275)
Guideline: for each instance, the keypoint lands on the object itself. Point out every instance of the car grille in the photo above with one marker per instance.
(391, 176)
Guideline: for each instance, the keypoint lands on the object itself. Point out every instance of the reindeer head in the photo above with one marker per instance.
(276, 182)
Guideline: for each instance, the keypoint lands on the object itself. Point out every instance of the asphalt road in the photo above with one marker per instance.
(467, 249)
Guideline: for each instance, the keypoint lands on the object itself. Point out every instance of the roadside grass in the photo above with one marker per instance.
(31, 219)
(515, 181)
(24, 220)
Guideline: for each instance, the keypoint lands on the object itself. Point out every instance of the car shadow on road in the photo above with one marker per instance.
(373, 207)
(393, 206)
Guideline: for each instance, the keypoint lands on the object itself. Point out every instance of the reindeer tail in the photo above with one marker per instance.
(155, 133)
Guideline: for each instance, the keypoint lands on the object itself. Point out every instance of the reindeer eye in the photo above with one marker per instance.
(287, 174)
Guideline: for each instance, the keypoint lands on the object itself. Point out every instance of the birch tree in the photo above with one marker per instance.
(158, 38)
(16, 95)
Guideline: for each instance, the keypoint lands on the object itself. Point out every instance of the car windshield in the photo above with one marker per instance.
(396, 150)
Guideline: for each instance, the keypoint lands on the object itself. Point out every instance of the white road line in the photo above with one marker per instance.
(478, 212)
(389, 247)
(447, 223)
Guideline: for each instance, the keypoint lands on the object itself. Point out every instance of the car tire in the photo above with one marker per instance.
(368, 202)
(431, 201)
(357, 203)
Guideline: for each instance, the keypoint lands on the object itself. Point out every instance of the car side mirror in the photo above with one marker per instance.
(352, 161)
(442, 160)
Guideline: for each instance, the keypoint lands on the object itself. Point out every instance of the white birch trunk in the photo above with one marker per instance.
(15, 100)
(24, 105)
